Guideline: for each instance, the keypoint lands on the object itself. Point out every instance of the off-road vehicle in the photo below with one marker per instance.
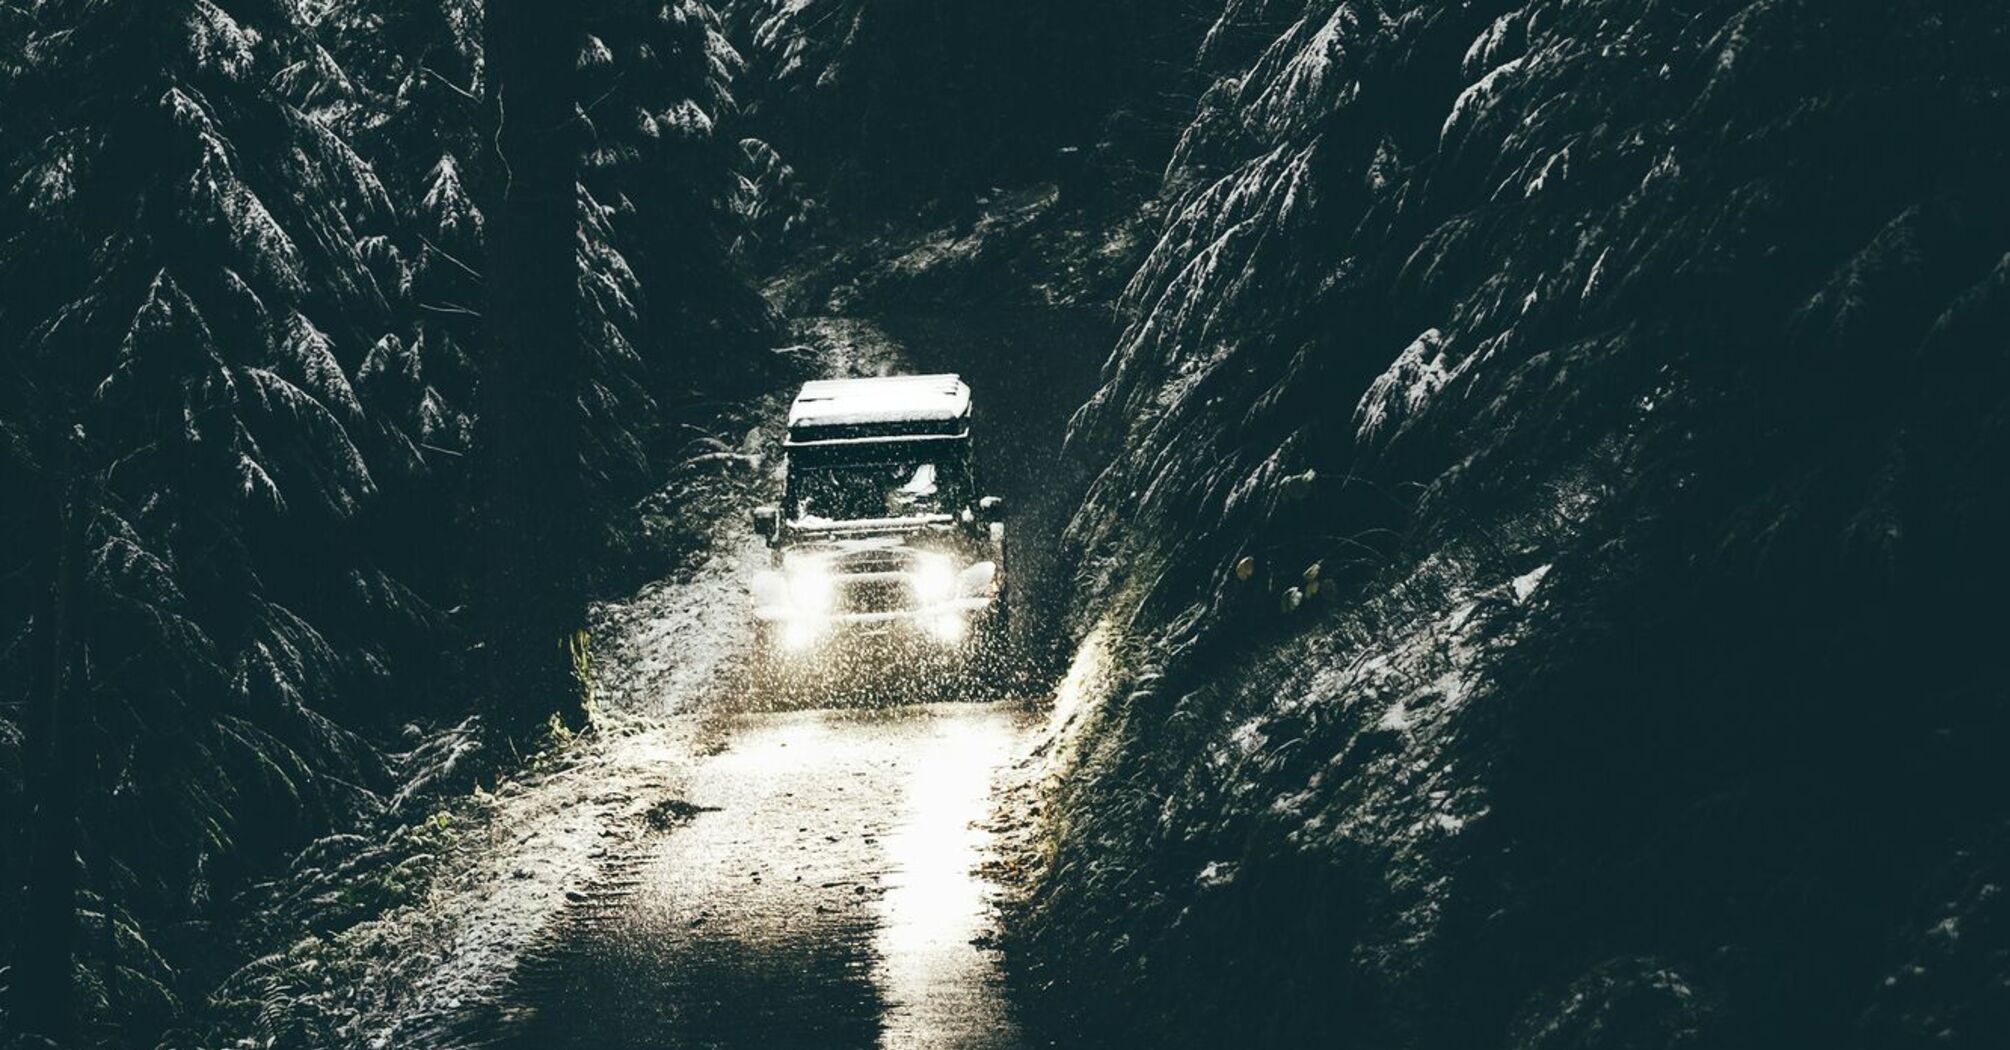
(882, 543)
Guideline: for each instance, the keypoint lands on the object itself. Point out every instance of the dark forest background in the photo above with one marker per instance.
(1547, 539)
(333, 335)
(324, 412)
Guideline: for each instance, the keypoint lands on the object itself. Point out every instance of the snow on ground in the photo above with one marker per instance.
(664, 649)
(504, 866)
(432, 970)
(436, 971)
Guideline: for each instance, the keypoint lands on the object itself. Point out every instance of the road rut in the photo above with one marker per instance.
(827, 891)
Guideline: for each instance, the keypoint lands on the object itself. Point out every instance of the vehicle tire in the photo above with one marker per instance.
(987, 667)
(998, 626)
(998, 622)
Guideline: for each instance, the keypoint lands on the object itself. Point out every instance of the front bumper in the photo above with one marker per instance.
(889, 605)
(944, 623)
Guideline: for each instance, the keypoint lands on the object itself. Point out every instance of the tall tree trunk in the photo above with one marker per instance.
(44, 999)
(531, 423)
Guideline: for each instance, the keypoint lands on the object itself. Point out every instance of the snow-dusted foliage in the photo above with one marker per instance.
(667, 180)
(892, 105)
(664, 312)
(186, 305)
(240, 298)
(769, 203)
(1551, 444)
(1315, 229)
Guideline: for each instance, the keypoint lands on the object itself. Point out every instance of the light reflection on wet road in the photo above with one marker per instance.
(832, 900)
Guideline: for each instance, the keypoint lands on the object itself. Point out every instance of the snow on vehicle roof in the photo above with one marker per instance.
(888, 399)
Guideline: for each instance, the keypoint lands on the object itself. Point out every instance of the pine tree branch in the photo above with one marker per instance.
(462, 310)
(449, 256)
(451, 86)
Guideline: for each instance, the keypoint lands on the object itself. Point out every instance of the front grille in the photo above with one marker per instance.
(875, 595)
(875, 562)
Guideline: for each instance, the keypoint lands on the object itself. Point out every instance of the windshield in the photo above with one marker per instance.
(893, 488)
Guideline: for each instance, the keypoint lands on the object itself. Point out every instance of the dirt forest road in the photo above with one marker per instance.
(827, 879)
(829, 896)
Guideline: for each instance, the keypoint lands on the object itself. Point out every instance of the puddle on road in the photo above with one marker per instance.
(831, 901)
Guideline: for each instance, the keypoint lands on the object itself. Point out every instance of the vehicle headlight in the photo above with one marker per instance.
(799, 635)
(934, 579)
(947, 628)
(811, 589)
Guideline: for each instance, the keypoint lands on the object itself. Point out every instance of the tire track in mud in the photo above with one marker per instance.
(840, 895)
(541, 968)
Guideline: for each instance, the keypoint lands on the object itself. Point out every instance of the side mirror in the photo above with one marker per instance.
(991, 508)
(767, 520)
